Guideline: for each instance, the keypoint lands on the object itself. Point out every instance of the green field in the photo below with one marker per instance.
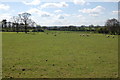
(66, 55)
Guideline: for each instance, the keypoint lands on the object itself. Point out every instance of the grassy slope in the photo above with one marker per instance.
(67, 54)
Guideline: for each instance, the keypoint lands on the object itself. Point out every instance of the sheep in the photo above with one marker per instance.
(107, 36)
(83, 34)
(80, 34)
(113, 36)
(87, 35)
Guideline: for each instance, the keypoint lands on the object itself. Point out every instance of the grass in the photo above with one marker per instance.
(66, 55)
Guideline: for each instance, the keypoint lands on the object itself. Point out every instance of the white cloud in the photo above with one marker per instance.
(47, 19)
(45, 15)
(81, 2)
(94, 11)
(39, 12)
(4, 7)
(44, 18)
(62, 0)
(33, 10)
(79, 15)
(67, 15)
(94, 15)
(34, 2)
(58, 11)
(54, 5)
(5, 16)
(103, 0)
(115, 12)
(68, 19)
(60, 16)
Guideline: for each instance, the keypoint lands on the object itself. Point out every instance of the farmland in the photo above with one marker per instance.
(59, 54)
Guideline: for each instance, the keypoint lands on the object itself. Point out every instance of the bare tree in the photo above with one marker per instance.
(9, 26)
(15, 20)
(31, 23)
(24, 17)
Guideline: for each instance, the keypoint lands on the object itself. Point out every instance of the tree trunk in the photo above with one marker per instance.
(17, 29)
(25, 27)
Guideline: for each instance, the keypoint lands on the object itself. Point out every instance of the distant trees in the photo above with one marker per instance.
(72, 28)
(23, 23)
(39, 28)
(4, 23)
(91, 27)
(113, 26)
(24, 17)
(20, 23)
(15, 20)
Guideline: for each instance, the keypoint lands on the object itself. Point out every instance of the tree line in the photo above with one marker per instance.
(23, 23)
(20, 23)
(112, 26)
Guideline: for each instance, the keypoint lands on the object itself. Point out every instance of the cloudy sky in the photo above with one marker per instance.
(61, 12)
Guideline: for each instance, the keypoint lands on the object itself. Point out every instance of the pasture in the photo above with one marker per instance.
(59, 54)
